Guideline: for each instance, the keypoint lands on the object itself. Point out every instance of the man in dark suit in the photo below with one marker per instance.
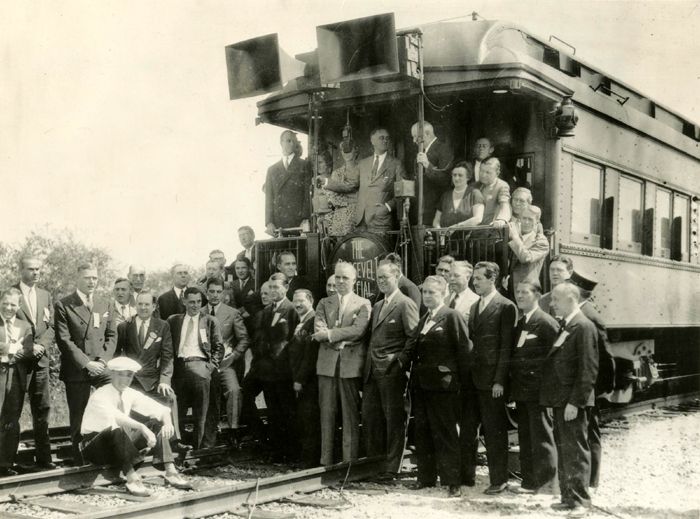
(235, 338)
(436, 158)
(483, 149)
(303, 354)
(534, 335)
(147, 340)
(394, 321)
(406, 286)
(568, 380)
(173, 301)
(287, 188)
(440, 365)
(36, 307)
(605, 381)
(246, 236)
(287, 265)
(491, 323)
(86, 336)
(16, 359)
(377, 210)
(272, 367)
(340, 326)
(197, 349)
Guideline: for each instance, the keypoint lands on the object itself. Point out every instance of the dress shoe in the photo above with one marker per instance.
(522, 490)
(136, 488)
(6, 472)
(46, 466)
(578, 511)
(496, 489)
(562, 507)
(177, 481)
(183, 447)
(454, 491)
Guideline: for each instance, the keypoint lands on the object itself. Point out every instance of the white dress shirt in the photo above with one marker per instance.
(29, 294)
(102, 408)
(11, 337)
(529, 314)
(287, 160)
(86, 299)
(191, 348)
(485, 300)
(427, 146)
(430, 322)
(568, 318)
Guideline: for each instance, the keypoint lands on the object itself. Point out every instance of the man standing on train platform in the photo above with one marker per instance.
(528, 248)
(568, 379)
(377, 210)
(287, 188)
(86, 335)
(384, 419)
(605, 380)
(273, 369)
(226, 376)
(436, 158)
(491, 322)
(560, 269)
(483, 149)
(36, 308)
(406, 286)
(496, 194)
(287, 265)
(534, 335)
(122, 307)
(147, 340)
(461, 297)
(246, 236)
(173, 301)
(17, 354)
(197, 350)
(340, 326)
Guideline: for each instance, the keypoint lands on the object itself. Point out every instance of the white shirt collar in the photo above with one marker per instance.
(83, 297)
(387, 299)
(10, 322)
(278, 304)
(216, 307)
(568, 318)
(427, 146)
(139, 321)
(528, 315)
(194, 318)
(433, 313)
(303, 318)
(24, 288)
(487, 298)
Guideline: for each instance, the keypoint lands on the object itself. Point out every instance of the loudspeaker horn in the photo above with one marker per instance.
(258, 66)
(364, 48)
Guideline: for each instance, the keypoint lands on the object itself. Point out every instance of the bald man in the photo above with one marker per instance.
(436, 158)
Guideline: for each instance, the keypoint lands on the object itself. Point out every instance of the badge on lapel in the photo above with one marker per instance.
(47, 315)
(96, 319)
(152, 337)
(203, 335)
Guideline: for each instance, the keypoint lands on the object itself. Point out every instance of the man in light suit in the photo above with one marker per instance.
(341, 323)
(147, 340)
(437, 158)
(491, 323)
(529, 248)
(394, 321)
(273, 368)
(173, 301)
(287, 188)
(197, 349)
(568, 381)
(16, 357)
(36, 308)
(86, 336)
(122, 308)
(461, 297)
(236, 343)
(376, 207)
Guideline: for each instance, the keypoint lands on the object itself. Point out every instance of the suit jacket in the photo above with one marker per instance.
(528, 257)
(374, 193)
(42, 326)
(242, 255)
(83, 336)
(441, 355)
(296, 283)
(233, 333)
(347, 344)
(21, 366)
(570, 369)
(605, 381)
(24, 337)
(437, 178)
(409, 289)
(169, 304)
(464, 303)
(529, 354)
(115, 311)
(392, 329)
(287, 199)
(155, 356)
(272, 340)
(303, 353)
(492, 335)
(212, 348)
(545, 303)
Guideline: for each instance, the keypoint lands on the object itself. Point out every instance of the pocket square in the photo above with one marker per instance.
(283, 320)
(438, 329)
(158, 339)
(531, 336)
(392, 321)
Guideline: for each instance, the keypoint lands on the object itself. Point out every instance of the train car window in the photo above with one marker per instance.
(679, 228)
(662, 234)
(586, 203)
(630, 212)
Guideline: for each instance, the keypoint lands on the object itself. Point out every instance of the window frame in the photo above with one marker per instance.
(659, 251)
(590, 239)
(625, 245)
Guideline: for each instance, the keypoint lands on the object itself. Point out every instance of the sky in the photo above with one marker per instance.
(115, 120)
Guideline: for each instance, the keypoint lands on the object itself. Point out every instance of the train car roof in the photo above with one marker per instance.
(498, 55)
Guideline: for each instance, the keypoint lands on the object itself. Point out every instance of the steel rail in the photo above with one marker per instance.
(614, 413)
(65, 479)
(232, 497)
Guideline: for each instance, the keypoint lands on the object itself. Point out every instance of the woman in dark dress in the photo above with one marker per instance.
(463, 205)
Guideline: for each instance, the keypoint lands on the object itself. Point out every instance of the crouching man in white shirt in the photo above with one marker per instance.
(110, 436)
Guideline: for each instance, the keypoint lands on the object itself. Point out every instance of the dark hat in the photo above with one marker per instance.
(583, 280)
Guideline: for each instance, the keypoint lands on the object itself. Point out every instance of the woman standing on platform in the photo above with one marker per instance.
(341, 189)
(462, 206)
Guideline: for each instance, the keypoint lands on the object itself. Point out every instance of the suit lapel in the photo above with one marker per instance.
(176, 332)
(24, 307)
(79, 308)
(383, 314)
(133, 331)
(490, 309)
(283, 174)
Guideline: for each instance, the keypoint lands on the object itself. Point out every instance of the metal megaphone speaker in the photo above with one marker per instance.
(364, 48)
(258, 66)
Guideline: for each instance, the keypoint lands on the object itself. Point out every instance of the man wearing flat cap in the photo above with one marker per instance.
(110, 436)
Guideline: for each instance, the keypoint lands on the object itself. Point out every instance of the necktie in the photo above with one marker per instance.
(120, 404)
(32, 303)
(285, 161)
(124, 312)
(341, 310)
(375, 167)
(212, 312)
(453, 304)
(189, 332)
(142, 333)
(89, 302)
(562, 324)
(182, 297)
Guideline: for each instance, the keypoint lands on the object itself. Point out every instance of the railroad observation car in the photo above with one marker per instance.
(616, 174)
